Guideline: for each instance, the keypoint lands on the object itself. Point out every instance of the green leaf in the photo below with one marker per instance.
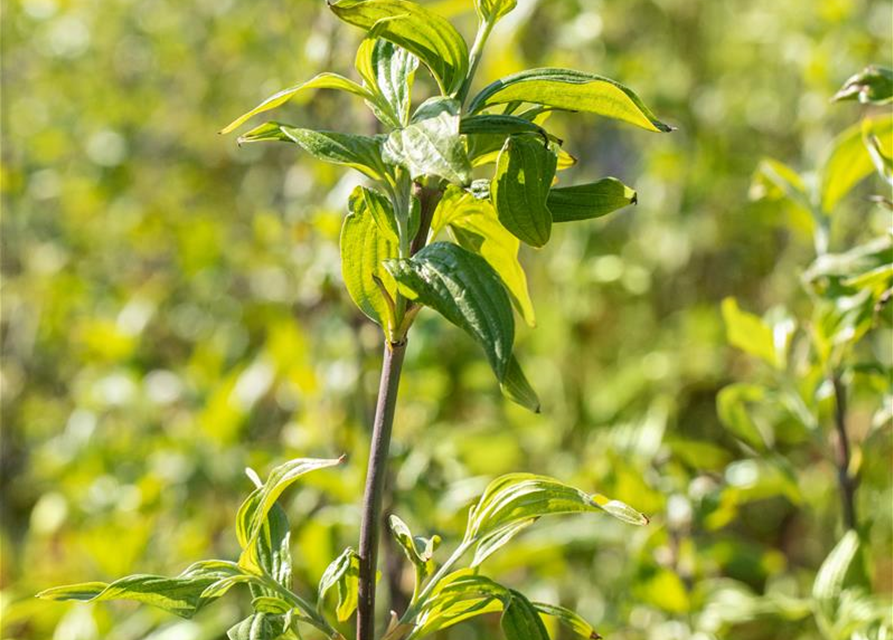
(733, 412)
(588, 201)
(260, 626)
(849, 162)
(182, 595)
(522, 497)
(368, 237)
(524, 173)
(829, 580)
(465, 290)
(388, 71)
(474, 226)
(492, 10)
(431, 144)
(494, 542)
(501, 125)
(570, 619)
(270, 604)
(774, 180)
(871, 85)
(418, 550)
(343, 573)
(572, 91)
(752, 335)
(322, 81)
(520, 620)
(252, 516)
(423, 33)
(516, 387)
(457, 597)
(359, 152)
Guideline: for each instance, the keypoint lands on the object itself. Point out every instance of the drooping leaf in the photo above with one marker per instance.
(181, 595)
(253, 513)
(521, 497)
(569, 90)
(474, 225)
(342, 573)
(520, 620)
(388, 71)
(570, 619)
(359, 152)
(871, 85)
(493, 10)
(588, 201)
(465, 290)
(849, 162)
(420, 31)
(520, 187)
(367, 239)
(430, 145)
(517, 388)
(322, 81)
(752, 335)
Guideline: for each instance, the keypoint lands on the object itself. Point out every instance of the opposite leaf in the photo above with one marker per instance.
(572, 91)
(421, 32)
(365, 244)
(524, 173)
(588, 201)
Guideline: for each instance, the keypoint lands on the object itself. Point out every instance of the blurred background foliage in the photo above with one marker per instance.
(172, 312)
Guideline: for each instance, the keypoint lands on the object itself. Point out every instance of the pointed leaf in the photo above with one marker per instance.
(499, 125)
(364, 246)
(570, 619)
(359, 152)
(588, 201)
(423, 33)
(389, 71)
(457, 597)
(431, 145)
(518, 389)
(465, 290)
(849, 162)
(495, 541)
(524, 173)
(830, 577)
(518, 497)
(322, 81)
(569, 90)
(871, 85)
(520, 621)
(474, 226)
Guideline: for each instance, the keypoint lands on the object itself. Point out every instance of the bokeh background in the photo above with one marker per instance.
(172, 312)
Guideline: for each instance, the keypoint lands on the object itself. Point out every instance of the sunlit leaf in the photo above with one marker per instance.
(257, 626)
(359, 152)
(423, 33)
(388, 71)
(750, 333)
(364, 246)
(322, 81)
(501, 125)
(587, 201)
(459, 596)
(342, 573)
(430, 145)
(418, 550)
(848, 161)
(493, 10)
(572, 91)
(774, 180)
(465, 290)
(570, 619)
(524, 173)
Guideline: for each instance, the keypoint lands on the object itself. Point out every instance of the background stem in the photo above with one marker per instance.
(846, 480)
(375, 477)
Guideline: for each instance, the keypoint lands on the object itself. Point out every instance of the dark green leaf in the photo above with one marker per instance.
(359, 152)
(499, 124)
(570, 619)
(587, 201)
(871, 85)
(572, 91)
(524, 173)
(430, 145)
(520, 621)
(420, 31)
(465, 290)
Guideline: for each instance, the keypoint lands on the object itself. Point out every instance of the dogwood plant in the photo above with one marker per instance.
(422, 233)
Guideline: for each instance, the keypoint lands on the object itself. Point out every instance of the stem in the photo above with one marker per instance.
(846, 480)
(474, 57)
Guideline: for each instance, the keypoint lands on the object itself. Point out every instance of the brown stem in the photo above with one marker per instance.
(845, 478)
(375, 477)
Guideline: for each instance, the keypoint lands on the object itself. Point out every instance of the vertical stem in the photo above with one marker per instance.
(845, 479)
(375, 477)
(474, 57)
